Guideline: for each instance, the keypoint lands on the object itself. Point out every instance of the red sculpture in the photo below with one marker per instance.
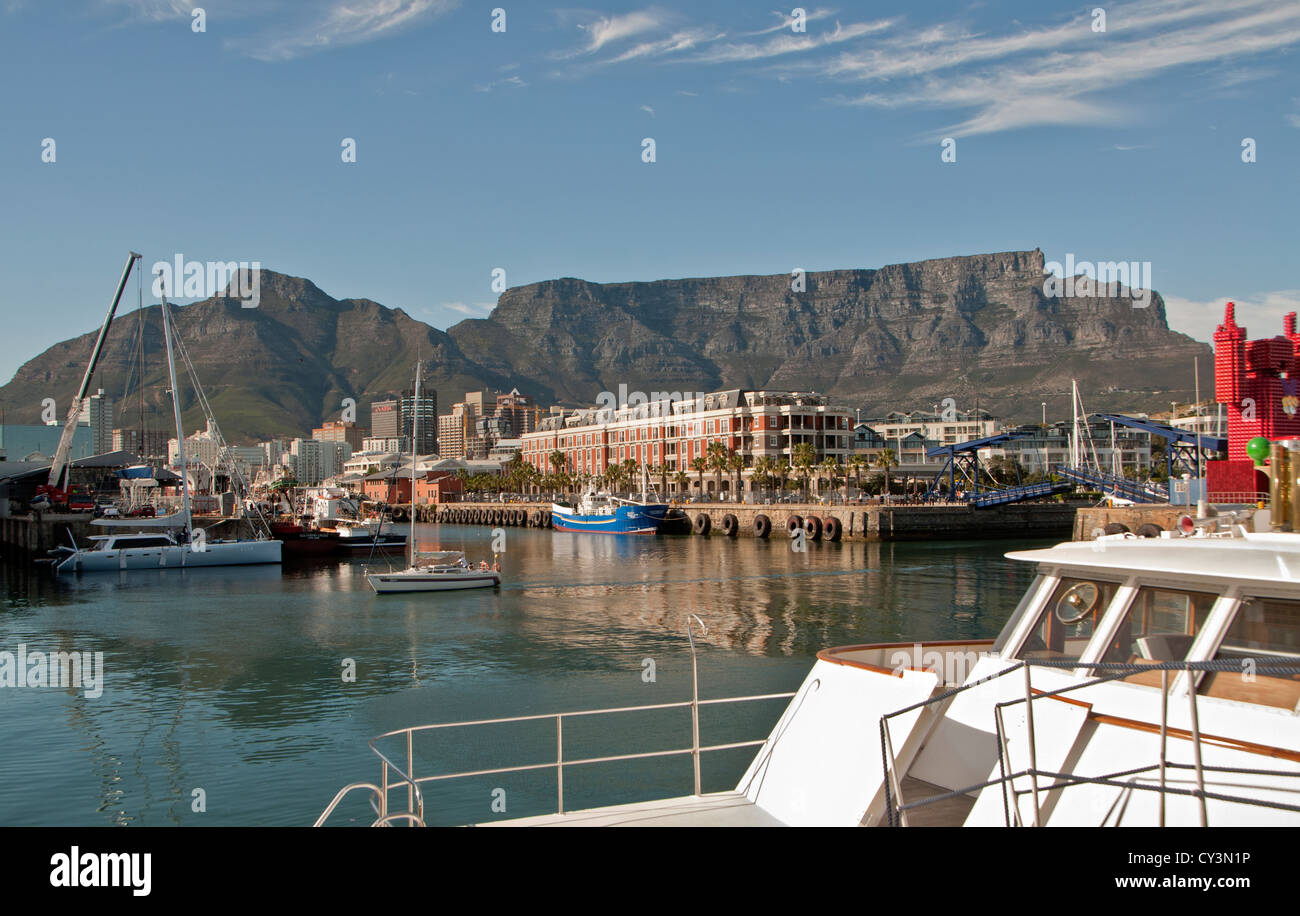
(1258, 381)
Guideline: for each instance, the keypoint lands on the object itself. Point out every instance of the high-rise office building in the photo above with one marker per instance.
(385, 416)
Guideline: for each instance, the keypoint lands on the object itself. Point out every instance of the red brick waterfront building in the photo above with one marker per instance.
(673, 430)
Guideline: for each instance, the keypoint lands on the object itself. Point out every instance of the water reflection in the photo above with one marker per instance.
(232, 679)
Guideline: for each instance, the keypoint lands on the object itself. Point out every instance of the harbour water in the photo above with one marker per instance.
(226, 697)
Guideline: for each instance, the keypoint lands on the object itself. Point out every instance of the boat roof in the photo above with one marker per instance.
(1244, 555)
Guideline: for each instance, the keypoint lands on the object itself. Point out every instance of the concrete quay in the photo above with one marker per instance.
(862, 523)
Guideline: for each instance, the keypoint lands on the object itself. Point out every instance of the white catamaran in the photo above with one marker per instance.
(432, 571)
(174, 542)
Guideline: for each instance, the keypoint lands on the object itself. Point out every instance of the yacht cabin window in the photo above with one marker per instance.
(1265, 630)
(1159, 626)
(1066, 624)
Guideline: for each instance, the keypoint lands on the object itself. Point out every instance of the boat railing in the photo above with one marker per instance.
(897, 808)
(400, 774)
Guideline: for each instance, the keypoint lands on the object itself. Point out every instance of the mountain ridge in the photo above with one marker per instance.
(975, 328)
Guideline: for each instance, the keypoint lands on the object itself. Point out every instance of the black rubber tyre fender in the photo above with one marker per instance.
(702, 523)
(793, 523)
(832, 527)
(1115, 528)
(1149, 530)
(730, 525)
(762, 526)
(812, 526)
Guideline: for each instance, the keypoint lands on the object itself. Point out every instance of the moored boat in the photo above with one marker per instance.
(602, 513)
(177, 543)
(437, 571)
(1140, 681)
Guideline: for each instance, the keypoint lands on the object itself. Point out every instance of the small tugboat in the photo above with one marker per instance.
(606, 514)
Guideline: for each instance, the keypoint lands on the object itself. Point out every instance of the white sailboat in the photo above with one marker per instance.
(433, 571)
(174, 542)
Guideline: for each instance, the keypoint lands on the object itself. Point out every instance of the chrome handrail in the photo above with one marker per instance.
(376, 803)
(412, 783)
(896, 811)
(414, 812)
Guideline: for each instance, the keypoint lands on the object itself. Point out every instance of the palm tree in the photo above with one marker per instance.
(804, 456)
(856, 463)
(886, 460)
(681, 479)
(737, 464)
(699, 466)
(631, 473)
(717, 463)
(831, 467)
(765, 470)
(559, 464)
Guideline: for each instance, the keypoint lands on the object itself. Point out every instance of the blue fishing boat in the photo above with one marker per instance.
(605, 514)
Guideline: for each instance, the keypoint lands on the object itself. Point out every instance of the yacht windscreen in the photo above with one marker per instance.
(1160, 626)
(1264, 631)
(1067, 622)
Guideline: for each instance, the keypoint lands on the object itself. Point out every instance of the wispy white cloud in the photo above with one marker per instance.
(477, 310)
(610, 29)
(678, 41)
(1062, 74)
(787, 21)
(149, 10)
(787, 44)
(649, 109)
(1260, 313)
(1058, 72)
(510, 82)
(343, 23)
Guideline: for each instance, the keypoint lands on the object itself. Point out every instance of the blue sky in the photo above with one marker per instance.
(775, 149)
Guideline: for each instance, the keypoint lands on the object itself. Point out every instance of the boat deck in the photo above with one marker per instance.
(951, 812)
(720, 809)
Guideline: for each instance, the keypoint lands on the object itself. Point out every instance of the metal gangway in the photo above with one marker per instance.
(962, 460)
(1114, 485)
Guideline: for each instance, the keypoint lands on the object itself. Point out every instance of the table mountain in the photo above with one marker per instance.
(974, 328)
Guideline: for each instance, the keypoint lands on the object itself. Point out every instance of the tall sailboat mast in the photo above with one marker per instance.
(415, 439)
(176, 408)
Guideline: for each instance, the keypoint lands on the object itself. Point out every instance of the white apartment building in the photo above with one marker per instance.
(314, 460)
(938, 427)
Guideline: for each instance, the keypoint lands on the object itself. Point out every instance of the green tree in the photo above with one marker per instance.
(699, 466)
(737, 465)
(886, 460)
(804, 457)
(765, 469)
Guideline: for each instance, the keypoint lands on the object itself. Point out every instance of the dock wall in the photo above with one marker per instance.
(870, 523)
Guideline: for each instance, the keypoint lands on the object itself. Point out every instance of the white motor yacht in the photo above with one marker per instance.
(1140, 681)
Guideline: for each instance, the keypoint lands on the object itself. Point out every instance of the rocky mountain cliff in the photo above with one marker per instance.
(975, 329)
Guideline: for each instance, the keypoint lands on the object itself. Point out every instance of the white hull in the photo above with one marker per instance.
(174, 520)
(417, 580)
(182, 556)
